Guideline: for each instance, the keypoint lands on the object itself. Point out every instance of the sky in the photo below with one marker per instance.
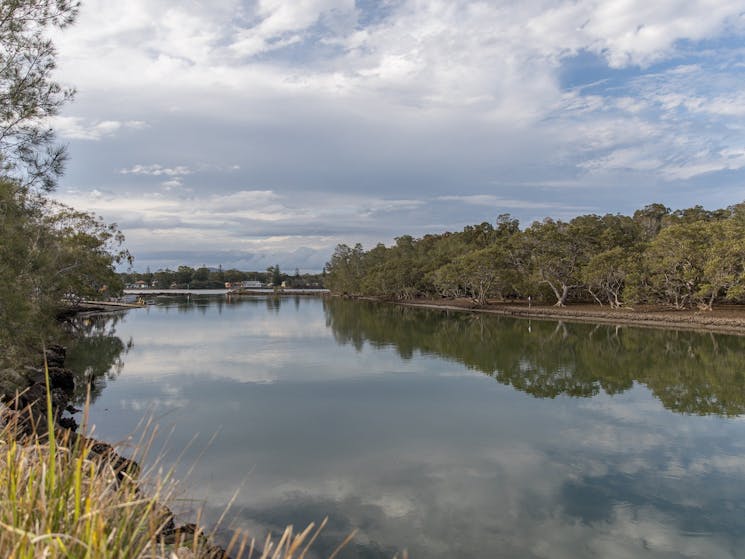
(248, 133)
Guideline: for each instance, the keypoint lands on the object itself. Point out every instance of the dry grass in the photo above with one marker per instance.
(61, 498)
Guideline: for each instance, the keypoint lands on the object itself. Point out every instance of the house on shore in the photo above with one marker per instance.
(244, 285)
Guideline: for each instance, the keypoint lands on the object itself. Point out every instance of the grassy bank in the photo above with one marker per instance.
(63, 495)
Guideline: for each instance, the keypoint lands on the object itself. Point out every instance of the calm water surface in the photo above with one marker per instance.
(447, 434)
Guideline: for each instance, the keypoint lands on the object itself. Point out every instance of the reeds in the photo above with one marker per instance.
(61, 497)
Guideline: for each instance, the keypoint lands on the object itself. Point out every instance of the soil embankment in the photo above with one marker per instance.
(729, 318)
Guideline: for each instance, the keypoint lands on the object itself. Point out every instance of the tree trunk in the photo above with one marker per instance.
(595, 297)
(563, 297)
(710, 305)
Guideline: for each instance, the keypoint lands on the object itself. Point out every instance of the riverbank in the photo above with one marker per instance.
(728, 319)
(123, 501)
(44, 443)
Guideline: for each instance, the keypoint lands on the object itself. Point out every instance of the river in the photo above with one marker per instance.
(447, 434)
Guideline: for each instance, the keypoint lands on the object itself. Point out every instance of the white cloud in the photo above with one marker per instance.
(283, 23)
(172, 183)
(724, 160)
(396, 103)
(78, 128)
(156, 170)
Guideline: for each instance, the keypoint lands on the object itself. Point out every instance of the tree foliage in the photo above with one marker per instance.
(49, 254)
(29, 96)
(682, 259)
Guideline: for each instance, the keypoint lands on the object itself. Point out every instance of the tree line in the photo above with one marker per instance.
(682, 259)
(50, 254)
(185, 277)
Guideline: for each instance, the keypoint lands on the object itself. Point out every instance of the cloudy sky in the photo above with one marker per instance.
(253, 132)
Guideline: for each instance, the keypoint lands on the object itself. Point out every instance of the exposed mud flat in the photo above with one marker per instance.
(727, 318)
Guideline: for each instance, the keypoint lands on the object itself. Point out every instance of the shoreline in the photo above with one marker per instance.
(726, 320)
(25, 412)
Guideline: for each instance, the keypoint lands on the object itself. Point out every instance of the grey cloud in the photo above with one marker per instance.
(387, 112)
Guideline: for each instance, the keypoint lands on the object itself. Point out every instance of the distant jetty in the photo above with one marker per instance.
(236, 291)
(280, 291)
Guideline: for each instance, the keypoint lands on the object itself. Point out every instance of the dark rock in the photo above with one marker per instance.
(122, 466)
(169, 525)
(36, 393)
(68, 423)
(61, 378)
(35, 375)
(60, 398)
(55, 355)
(188, 533)
(11, 382)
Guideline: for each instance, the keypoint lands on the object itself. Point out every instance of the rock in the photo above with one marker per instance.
(11, 382)
(55, 355)
(68, 423)
(36, 393)
(34, 375)
(62, 378)
(122, 466)
(191, 533)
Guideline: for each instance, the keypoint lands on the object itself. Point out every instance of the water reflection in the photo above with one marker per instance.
(689, 372)
(373, 416)
(95, 354)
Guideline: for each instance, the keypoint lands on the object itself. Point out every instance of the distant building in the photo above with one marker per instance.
(243, 285)
(140, 284)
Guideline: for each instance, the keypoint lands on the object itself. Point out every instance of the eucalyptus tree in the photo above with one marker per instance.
(556, 253)
(478, 274)
(651, 219)
(724, 267)
(605, 276)
(344, 269)
(675, 261)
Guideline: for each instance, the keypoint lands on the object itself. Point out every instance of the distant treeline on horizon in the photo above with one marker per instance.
(216, 278)
(682, 259)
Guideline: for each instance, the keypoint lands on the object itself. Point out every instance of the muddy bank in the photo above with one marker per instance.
(725, 319)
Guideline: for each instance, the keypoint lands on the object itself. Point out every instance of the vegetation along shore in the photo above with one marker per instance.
(653, 261)
(63, 494)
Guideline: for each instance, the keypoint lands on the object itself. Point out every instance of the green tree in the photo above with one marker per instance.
(651, 219)
(478, 274)
(553, 257)
(28, 94)
(724, 267)
(49, 254)
(148, 276)
(605, 276)
(184, 275)
(202, 274)
(675, 261)
(344, 271)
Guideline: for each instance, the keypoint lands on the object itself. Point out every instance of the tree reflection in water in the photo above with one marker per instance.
(689, 372)
(95, 354)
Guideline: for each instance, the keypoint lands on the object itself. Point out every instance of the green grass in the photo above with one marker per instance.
(59, 499)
